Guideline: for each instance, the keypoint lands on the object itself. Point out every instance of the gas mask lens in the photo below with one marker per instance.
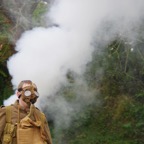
(36, 93)
(27, 93)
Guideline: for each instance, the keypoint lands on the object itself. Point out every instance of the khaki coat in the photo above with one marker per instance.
(16, 116)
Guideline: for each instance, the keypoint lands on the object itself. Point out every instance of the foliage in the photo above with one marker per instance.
(6, 50)
(117, 71)
(39, 11)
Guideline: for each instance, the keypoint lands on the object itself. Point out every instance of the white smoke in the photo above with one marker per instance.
(45, 55)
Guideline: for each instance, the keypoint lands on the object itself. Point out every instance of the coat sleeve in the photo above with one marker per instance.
(2, 121)
(47, 131)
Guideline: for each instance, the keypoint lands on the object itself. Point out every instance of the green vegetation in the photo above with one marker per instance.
(6, 50)
(40, 9)
(120, 119)
(117, 72)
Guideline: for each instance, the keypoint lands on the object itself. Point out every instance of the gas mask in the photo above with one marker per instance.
(29, 95)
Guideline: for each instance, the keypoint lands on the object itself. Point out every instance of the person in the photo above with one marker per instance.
(22, 122)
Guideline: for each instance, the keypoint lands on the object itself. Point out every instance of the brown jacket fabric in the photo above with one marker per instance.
(19, 113)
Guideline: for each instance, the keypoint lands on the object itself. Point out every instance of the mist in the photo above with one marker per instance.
(46, 54)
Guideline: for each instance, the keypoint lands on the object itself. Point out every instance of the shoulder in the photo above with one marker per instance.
(2, 106)
(39, 111)
(37, 108)
(2, 110)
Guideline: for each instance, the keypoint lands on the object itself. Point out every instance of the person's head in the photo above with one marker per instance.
(27, 92)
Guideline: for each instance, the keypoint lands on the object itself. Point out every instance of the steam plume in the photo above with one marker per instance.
(45, 55)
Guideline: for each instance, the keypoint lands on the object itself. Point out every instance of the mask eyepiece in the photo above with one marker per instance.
(36, 93)
(27, 93)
